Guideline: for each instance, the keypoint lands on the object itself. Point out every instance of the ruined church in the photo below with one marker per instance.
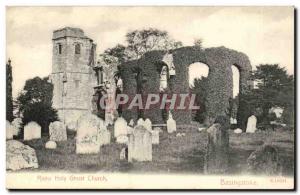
(79, 81)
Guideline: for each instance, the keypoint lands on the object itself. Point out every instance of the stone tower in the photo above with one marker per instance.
(72, 74)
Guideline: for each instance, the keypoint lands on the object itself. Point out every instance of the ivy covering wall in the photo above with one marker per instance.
(143, 76)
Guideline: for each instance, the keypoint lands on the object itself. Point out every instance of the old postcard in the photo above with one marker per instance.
(150, 98)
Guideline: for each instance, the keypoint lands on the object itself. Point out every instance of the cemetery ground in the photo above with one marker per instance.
(174, 154)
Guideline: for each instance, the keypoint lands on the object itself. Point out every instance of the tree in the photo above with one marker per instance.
(115, 55)
(198, 43)
(142, 41)
(35, 102)
(274, 88)
(9, 98)
(138, 42)
(200, 90)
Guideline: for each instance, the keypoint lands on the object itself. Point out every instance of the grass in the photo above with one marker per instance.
(172, 155)
(242, 145)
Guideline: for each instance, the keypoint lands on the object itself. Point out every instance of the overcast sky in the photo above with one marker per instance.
(265, 34)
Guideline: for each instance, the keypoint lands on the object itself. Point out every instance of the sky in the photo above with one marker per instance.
(265, 34)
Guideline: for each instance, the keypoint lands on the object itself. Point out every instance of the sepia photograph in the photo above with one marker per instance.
(150, 97)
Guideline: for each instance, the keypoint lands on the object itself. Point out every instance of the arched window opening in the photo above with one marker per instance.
(59, 48)
(77, 48)
(197, 71)
(163, 79)
(236, 81)
(234, 104)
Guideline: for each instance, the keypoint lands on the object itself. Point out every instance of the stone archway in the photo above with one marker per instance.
(197, 70)
(219, 90)
(198, 76)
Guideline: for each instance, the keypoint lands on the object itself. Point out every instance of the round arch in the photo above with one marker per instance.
(197, 70)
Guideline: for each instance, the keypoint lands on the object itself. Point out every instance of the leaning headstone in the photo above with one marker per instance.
(17, 122)
(50, 145)
(265, 161)
(57, 131)
(104, 137)
(171, 124)
(155, 135)
(120, 127)
(251, 124)
(9, 130)
(87, 138)
(238, 131)
(32, 131)
(140, 145)
(216, 159)
(148, 124)
(20, 156)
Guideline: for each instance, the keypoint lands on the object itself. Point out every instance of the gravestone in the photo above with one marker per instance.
(131, 123)
(72, 126)
(216, 159)
(57, 131)
(140, 122)
(9, 130)
(129, 129)
(171, 124)
(155, 135)
(122, 139)
(87, 138)
(104, 137)
(120, 127)
(264, 161)
(17, 122)
(20, 156)
(201, 129)
(32, 131)
(140, 145)
(251, 124)
(238, 131)
(148, 124)
(50, 145)
(233, 121)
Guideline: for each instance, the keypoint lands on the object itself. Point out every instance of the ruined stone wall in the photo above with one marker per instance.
(219, 60)
(72, 74)
(74, 79)
(127, 72)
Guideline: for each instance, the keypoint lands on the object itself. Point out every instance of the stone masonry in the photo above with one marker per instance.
(75, 79)
(72, 73)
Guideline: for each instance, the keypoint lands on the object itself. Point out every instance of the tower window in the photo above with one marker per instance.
(77, 48)
(59, 48)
